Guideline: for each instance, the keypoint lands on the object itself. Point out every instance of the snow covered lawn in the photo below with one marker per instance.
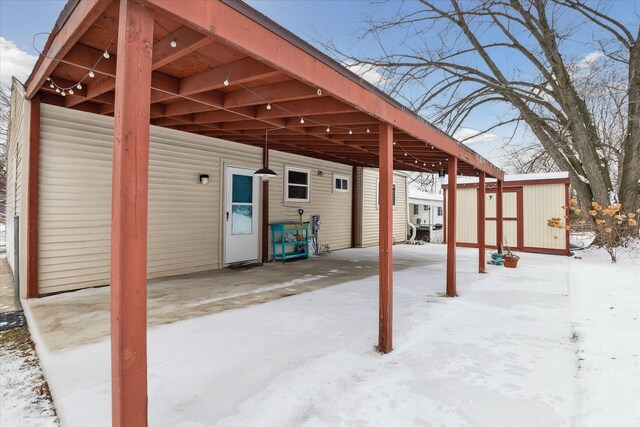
(501, 354)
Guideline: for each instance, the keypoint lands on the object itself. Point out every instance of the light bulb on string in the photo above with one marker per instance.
(48, 79)
(58, 89)
(174, 43)
(91, 74)
(301, 121)
(405, 154)
(424, 164)
(106, 54)
(52, 86)
(368, 131)
(415, 161)
(226, 82)
(328, 129)
(79, 86)
(319, 92)
(268, 106)
(394, 143)
(63, 93)
(350, 132)
(70, 91)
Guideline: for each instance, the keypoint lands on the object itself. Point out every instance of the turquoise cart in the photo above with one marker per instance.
(290, 240)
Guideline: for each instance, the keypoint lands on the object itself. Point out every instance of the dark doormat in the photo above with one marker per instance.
(243, 265)
(10, 320)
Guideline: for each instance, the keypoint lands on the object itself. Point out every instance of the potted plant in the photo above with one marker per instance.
(510, 260)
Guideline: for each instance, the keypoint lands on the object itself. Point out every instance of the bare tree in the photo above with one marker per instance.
(427, 182)
(458, 57)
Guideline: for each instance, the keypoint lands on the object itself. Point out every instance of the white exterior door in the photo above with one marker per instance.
(241, 215)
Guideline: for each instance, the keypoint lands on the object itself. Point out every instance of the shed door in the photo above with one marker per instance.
(241, 216)
(511, 220)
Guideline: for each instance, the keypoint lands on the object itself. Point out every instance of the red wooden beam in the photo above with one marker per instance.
(255, 36)
(79, 20)
(33, 199)
(481, 222)
(129, 216)
(186, 40)
(385, 243)
(277, 92)
(499, 216)
(265, 209)
(452, 171)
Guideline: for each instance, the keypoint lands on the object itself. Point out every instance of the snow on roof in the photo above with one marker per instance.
(414, 193)
(518, 177)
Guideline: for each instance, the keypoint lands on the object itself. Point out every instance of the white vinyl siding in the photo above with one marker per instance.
(334, 208)
(368, 232)
(75, 199)
(15, 148)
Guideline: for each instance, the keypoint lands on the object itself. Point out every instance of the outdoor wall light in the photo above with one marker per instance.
(320, 173)
(204, 179)
(441, 173)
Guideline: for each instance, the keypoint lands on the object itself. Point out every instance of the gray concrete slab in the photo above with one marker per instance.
(183, 297)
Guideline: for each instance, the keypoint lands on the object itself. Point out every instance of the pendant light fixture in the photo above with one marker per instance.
(266, 173)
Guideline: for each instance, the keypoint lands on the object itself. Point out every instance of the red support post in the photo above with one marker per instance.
(265, 209)
(130, 186)
(33, 199)
(385, 344)
(481, 222)
(499, 216)
(451, 226)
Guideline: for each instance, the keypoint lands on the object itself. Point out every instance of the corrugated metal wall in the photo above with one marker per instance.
(15, 149)
(542, 202)
(369, 208)
(334, 208)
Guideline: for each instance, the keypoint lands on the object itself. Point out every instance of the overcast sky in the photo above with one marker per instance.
(342, 22)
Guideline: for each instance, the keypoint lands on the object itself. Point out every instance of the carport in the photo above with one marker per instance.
(221, 69)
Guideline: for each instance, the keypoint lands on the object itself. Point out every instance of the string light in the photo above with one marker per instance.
(70, 91)
(268, 106)
(79, 86)
(174, 43)
(368, 131)
(58, 89)
(106, 54)
(226, 82)
(405, 154)
(328, 129)
(319, 92)
(52, 86)
(301, 121)
(91, 74)
(63, 93)
(350, 132)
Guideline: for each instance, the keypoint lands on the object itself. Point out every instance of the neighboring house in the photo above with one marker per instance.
(425, 209)
(195, 234)
(528, 202)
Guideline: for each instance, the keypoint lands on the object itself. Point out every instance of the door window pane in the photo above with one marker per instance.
(241, 219)
(242, 189)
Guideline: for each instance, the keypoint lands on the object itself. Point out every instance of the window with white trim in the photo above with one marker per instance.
(341, 183)
(415, 209)
(297, 184)
(439, 210)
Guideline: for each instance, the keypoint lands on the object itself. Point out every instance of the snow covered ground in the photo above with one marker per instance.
(526, 347)
(24, 401)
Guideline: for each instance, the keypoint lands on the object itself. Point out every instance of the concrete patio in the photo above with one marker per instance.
(59, 318)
